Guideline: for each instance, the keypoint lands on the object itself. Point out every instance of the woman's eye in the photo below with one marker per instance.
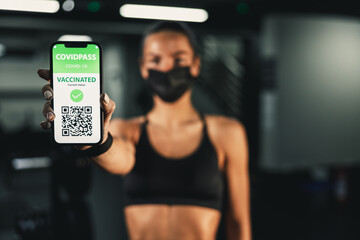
(179, 60)
(155, 60)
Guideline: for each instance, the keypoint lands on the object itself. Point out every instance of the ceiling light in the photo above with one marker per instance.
(68, 5)
(163, 13)
(44, 6)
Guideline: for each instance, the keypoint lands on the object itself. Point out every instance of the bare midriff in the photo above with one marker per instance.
(176, 222)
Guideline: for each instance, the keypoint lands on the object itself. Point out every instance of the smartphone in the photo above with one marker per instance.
(76, 71)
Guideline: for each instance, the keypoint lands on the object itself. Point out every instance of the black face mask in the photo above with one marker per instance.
(171, 85)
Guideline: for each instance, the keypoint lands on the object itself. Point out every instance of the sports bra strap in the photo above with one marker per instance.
(146, 121)
(202, 117)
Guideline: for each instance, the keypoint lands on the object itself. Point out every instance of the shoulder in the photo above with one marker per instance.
(128, 128)
(226, 131)
(222, 125)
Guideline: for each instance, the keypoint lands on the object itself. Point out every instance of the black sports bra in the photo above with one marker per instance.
(192, 180)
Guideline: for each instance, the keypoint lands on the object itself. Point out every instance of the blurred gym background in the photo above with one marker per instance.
(290, 71)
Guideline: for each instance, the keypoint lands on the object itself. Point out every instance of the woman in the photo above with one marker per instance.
(179, 166)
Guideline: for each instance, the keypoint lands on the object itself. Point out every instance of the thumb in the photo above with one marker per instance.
(108, 107)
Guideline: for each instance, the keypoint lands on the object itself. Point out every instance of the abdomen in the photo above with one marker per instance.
(178, 222)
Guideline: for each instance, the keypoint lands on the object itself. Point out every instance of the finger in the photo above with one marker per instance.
(44, 73)
(47, 92)
(108, 107)
(48, 112)
(45, 125)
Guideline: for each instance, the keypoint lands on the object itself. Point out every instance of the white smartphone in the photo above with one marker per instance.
(76, 71)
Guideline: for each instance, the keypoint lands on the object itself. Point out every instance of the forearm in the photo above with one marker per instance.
(237, 231)
(119, 159)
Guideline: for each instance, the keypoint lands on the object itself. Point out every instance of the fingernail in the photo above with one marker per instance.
(106, 98)
(47, 94)
(49, 115)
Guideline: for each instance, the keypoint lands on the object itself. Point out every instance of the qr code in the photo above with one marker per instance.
(76, 121)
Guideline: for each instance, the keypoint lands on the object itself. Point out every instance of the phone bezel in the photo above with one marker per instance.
(78, 43)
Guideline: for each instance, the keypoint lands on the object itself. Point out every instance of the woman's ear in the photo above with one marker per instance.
(143, 71)
(195, 67)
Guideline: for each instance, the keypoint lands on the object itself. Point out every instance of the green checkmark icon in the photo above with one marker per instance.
(76, 95)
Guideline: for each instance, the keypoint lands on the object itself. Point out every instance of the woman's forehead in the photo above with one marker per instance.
(166, 42)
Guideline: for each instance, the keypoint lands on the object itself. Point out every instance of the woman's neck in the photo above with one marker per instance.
(173, 114)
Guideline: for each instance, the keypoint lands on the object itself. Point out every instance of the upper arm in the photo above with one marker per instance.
(235, 145)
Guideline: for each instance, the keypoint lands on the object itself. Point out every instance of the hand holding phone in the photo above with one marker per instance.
(106, 103)
(73, 53)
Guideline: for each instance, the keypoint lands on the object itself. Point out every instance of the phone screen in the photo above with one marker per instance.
(76, 82)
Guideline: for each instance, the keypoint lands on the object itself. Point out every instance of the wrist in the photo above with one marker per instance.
(96, 150)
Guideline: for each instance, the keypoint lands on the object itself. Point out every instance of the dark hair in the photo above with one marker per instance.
(174, 26)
